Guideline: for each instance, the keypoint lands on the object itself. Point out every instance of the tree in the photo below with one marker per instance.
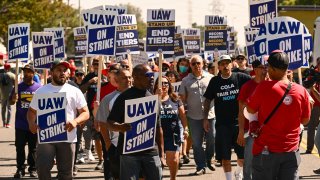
(40, 14)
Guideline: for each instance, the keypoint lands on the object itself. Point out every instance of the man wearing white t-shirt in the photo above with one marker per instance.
(76, 105)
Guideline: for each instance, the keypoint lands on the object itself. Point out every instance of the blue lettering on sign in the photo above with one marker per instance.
(58, 34)
(142, 109)
(124, 20)
(18, 31)
(54, 103)
(41, 39)
(160, 14)
(282, 28)
(100, 19)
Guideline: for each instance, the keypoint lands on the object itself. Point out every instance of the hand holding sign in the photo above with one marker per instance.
(33, 127)
(71, 125)
(124, 127)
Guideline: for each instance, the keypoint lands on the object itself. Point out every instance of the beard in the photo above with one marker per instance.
(59, 81)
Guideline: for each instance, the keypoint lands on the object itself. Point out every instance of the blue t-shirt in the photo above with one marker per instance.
(36, 78)
(169, 115)
(25, 94)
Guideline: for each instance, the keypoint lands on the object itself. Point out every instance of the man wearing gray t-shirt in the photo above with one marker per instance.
(123, 81)
(191, 92)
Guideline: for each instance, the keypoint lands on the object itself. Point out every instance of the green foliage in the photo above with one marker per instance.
(40, 14)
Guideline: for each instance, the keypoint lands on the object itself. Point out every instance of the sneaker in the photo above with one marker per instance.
(238, 176)
(75, 170)
(99, 165)
(19, 174)
(209, 165)
(200, 172)
(8, 126)
(89, 155)
(186, 160)
(33, 174)
(80, 158)
(316, 171)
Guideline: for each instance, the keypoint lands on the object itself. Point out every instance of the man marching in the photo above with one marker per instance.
(76, 104)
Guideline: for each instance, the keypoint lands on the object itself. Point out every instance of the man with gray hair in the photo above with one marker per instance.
(191, 92)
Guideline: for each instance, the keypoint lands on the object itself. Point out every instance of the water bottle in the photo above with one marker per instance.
(265, 150)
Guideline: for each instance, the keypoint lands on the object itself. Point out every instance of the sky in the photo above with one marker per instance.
(236, 10)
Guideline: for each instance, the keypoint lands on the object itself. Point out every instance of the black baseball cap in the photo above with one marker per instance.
(278, 59)
(59, 62)
(28, 66)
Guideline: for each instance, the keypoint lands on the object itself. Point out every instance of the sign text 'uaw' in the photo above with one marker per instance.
(43, 49)
(101, 32)
(141, 113)
(51, 117)
(18, 41)
(261, 11)
(59, 48)
(287, 34)
(160, 30)
(127, 39)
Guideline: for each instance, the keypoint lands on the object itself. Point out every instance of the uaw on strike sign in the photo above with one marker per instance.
(141, 113)
(51, 117)
(250, 36)
(261, 11)
(160, 30)
(287, 34)
(59, 49)
(43, 49)
(18, 44)
(101, 32)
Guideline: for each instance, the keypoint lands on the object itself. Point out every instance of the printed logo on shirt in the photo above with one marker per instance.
(287, 100)
(26, 98)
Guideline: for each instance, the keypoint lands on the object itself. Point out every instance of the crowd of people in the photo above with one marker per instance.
(257, 111)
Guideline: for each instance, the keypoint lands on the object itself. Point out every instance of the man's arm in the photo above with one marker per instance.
(206, 109)
(84, 87)
(13, 98)
(31, 117)
(105, 134)
(241, 121)
(114, 126)
(83, 117)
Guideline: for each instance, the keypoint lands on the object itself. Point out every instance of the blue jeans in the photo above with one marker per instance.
(130, 167)
(202, 156)
(247, 165)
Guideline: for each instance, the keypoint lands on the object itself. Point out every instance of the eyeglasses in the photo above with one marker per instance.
(79, 74)
(165, 84)
(125, 66)
(149, 74)
(196, 63)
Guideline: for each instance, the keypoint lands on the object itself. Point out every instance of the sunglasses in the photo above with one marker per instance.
(165, 84)
(79, 74)
(165, 68)
(125, 66)
(149, 74)
(196, 63)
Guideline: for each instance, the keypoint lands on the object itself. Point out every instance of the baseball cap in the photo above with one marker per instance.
(28, 66)
(224, 57)
(241, 56)
(278, 59)
(7, 66)
(59, 62)
(256, 63)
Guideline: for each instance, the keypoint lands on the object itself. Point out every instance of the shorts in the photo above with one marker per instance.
(169, 144)
(226, 139)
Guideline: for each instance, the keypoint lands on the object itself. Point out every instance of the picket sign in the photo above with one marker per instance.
(130, 61)
(160, 70)
(18, 42)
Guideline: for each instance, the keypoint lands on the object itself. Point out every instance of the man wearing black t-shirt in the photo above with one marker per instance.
(242, 62)
(148, 160)
(224, 90)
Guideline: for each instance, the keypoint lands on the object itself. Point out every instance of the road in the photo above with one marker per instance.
(7, 163)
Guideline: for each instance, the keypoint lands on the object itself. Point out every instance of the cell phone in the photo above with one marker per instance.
(176, 139)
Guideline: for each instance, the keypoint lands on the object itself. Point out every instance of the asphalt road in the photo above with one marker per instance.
(7, 163)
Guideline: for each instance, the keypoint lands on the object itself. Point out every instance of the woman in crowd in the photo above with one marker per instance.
(171, 111)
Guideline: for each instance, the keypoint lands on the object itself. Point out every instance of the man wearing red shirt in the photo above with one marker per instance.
(275, 150)
(246, 91)
(315, 115)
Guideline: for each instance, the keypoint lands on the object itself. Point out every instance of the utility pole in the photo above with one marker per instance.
(190, 12)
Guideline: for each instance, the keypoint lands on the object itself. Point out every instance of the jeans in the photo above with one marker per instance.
(5, 105)
(22, 138)
(247, 165)
(282, 166)
(130, 167)
(64, 153)
(314, 121)
(201, 156)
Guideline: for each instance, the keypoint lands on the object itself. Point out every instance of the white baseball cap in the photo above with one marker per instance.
(224, 57)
